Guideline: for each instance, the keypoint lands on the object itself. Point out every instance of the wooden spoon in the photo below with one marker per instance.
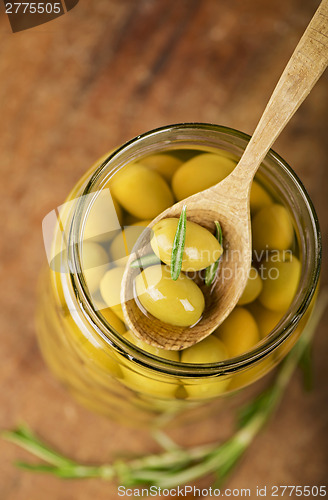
(228, 201)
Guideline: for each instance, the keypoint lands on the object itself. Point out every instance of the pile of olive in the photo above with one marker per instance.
(144, 189)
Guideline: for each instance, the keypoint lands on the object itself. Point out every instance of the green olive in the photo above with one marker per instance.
(141, 380)
(280, 283)
(209, 350)
(266, 320)
(272, 229)
(199, 389)
(129, 220)
(156, 351)
(142, 223)
(251, 374)
(91, 347)
(199, 173)
(141, 191)
(163, 163)
(110, 289)
(148, 382)
(179, 303)
(201, 247)
(95, 262)
(96, 350)
(259, 197)
(113, 320)
(239, 332)
(104, 218)
(123, 243)
(253, 288)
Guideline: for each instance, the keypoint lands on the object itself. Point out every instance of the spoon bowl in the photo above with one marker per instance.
(228, 203)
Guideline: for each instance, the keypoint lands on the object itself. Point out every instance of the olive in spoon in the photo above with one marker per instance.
(228, 201)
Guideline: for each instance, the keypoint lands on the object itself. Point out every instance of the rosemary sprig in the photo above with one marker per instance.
(211, 270)
(178, 245)
(177, 466)
(145, 261)
(305, 364)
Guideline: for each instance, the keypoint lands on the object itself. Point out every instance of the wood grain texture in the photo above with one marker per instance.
(75, 88)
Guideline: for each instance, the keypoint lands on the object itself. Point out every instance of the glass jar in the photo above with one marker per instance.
(80, 341)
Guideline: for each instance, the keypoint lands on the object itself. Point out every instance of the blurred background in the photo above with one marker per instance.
(73, 89)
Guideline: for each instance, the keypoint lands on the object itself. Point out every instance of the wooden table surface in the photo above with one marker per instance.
(74, 88)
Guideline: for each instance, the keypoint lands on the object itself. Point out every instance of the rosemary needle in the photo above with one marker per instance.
(178, 245)
(211, 270)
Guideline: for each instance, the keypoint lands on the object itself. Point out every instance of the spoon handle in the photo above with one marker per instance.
(304, 68)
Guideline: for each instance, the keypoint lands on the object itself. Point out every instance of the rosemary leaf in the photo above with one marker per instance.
(247, 412)
(211, 270)
(306, 365)
(226, 468)
(24, 437)
(164, 440)
(219, 232)
(145, 261)
(39, 468)
(178, 245)
(65, 472)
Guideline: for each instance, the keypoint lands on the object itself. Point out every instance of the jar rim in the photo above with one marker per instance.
(267, 345)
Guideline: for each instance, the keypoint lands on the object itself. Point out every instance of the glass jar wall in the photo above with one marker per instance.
(85, 341)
